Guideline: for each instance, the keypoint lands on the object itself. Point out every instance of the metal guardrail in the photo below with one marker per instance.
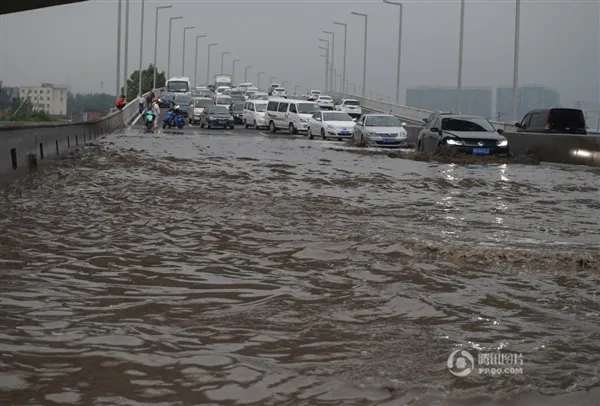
(409, 114)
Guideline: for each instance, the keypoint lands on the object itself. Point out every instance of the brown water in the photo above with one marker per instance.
(242, 269)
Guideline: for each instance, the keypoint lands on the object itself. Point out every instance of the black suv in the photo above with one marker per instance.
(556, 120)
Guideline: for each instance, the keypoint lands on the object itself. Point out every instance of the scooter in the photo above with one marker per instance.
(174, 118)
(149, 121)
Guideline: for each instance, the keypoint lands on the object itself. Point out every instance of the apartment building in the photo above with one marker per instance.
(474, 100)
(529, 98)
(47, 97)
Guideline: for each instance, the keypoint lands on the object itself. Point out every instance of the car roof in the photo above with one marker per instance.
(467, 116)
(201, 98)
(379, 115)
(258, 101)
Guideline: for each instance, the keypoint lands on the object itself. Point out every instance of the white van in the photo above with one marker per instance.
(223, 100)
(255, 114)
(179, 84)
(292, 115)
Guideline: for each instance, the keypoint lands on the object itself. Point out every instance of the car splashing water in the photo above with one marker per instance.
(216, 268)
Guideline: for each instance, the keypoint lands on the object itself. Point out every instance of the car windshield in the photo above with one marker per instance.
(260, 107)
(307, 108)
(467, 125)
(336, 117)
(238, 107)
(203, 103)
(178, 86)
(280, 89)
(351, 103)
(182, 99)
(326, 98)
(167, 96)
(223, 100)
(218, 110)
(382, 121)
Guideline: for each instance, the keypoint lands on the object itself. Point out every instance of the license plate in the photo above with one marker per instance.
(344, 132)
(481, 151)
(388, 140)
(222, 121)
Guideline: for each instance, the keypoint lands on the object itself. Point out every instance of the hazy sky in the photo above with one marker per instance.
(76, 44)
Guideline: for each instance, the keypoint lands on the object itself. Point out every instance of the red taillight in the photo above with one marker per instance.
(548, 121)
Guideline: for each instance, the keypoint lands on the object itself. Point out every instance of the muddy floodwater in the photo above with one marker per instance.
(226, 268)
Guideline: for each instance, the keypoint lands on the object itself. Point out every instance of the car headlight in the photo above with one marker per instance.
(453, 142)
(402, 134)
(212, 118)
(330, 127)
(503, 143)
(303, 120)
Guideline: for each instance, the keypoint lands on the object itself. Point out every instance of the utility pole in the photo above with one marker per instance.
(515, 105)
(460, 54)
(126, 45)
(119, 48)
(233, 72)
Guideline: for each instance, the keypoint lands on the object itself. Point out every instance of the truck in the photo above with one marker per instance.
(222, 80)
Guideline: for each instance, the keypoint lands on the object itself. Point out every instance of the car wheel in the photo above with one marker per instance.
(231, 127)
(255, 126)
(292, 129)
(246, 124)
(420, 146)
(362, 140)
(323, 134)
(272, 127)
(201, 124)
(208, 126)
(310, 134)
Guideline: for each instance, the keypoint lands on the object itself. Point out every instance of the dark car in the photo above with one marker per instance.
(237, 96)
(166, 98)
(216, 116)
(183, 100)
(237, 111)
(557, 120)
(202, 93)
(469, 134)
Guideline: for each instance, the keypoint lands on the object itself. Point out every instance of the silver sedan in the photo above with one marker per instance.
(380, 130)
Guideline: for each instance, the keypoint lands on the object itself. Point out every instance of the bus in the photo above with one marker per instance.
(179, 84)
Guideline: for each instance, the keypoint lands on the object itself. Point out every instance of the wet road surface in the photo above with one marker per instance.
(233, 267)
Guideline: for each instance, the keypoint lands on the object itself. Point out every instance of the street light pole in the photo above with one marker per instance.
(460, 54)
(169, 51)
(399, 48)
(223, 59)
(326, 65)
(141, 50)
(258, 79)
(119, 48)
(185, 29)
(233, 71)
(345, 46)
(208, 62)
(156, 42)
(515, 101)
(196, 59)
(126, 45)
(327, 62)
(332, 61)
(246, 73)
(365, 53)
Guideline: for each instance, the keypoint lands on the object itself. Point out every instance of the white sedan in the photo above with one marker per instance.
(331, 124)
(325, 102)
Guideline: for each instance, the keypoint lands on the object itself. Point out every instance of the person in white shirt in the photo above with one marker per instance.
(156, 110)
(141, 102)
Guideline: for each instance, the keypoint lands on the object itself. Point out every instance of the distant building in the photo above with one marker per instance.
(528, 98)
(47, 98)
(474, 100)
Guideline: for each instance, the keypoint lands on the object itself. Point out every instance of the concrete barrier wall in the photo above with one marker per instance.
(23, 146)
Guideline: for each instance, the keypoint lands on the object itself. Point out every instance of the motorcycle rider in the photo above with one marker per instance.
(141, 102)
(173, 108)
(122, 102)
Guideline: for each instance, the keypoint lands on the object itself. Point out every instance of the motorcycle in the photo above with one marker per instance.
(174, 118)
(149, 121)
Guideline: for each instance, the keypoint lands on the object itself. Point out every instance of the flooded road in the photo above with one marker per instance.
(223, 268)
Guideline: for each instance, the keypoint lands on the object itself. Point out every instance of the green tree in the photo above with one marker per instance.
(147, 82)
(24, 106)
(79, 103)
